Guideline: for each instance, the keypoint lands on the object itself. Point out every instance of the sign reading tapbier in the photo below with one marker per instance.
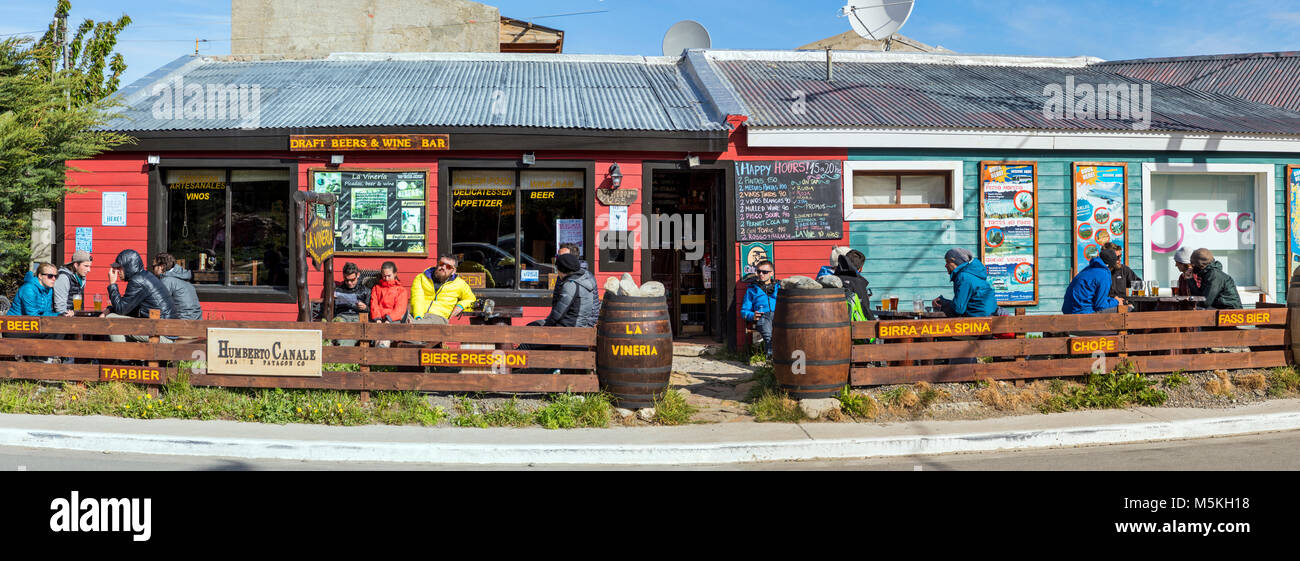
(264, 352)
(137, 374)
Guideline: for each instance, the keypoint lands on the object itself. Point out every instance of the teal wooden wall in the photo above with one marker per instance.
(905, 258)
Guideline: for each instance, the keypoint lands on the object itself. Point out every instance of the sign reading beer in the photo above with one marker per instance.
(320, 240)
(444, 357)
(935, 328)
(1244, 317)
(20, 326)
(308, 142)
(137, 374)
(1089, 345)
(264, 352)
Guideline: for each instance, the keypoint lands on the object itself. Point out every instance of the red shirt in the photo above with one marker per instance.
(389, 299)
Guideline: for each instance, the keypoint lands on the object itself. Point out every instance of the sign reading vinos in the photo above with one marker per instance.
(264, 352)
(1009, 230)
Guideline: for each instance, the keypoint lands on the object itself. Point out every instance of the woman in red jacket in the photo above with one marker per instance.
(389, 300)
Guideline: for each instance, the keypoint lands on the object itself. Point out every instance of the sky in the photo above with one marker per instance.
(1108, 29)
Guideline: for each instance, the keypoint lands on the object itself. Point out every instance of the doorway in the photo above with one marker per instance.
(684, 207)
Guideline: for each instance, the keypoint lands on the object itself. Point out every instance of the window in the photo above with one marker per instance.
(206, 208)
(508, 224)
(903, 190)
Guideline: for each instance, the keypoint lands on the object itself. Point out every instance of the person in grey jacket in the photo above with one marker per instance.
(573, 304)
(71, 282)
(177, 280)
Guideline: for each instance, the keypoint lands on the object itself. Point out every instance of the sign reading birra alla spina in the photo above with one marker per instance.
(264, 352)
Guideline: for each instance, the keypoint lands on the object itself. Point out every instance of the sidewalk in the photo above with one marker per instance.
(695, 444)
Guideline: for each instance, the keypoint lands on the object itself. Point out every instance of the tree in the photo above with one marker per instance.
(87, 55)
(48, 116)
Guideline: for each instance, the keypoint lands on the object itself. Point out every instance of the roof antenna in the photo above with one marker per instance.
(828, 64)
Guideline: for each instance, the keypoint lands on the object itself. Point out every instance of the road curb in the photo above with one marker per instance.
(645, 454)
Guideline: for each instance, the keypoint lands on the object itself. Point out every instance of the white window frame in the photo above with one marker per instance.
(1265, 219)
(954, 167)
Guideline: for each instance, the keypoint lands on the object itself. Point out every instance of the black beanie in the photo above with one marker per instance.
(1109, 257)
(568, 263)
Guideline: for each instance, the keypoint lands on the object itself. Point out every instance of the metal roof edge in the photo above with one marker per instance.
(723, 55)
(1053, 132)
(140, 88)
(1200, 58)
(721, 99)
(489, 57)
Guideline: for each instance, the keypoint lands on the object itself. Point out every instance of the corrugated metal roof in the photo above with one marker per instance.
(782, 92)
(1269, 78)
(559, 91)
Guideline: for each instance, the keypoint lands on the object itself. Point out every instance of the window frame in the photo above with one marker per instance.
(952, 170)
(517, 296)
(159, 217)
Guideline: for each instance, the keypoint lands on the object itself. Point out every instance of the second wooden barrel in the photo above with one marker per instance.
(634, 349)
(811, 342)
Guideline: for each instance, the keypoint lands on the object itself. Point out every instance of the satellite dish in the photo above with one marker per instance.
(685, 34)
(877, 19)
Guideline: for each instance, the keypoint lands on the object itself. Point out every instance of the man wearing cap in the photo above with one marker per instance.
(71, 282)
(1218, 288)
(573, 304)
(1089, 292)
(1188, 283)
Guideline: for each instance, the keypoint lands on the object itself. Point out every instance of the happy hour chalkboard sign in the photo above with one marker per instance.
(789, 200)
(379, 212)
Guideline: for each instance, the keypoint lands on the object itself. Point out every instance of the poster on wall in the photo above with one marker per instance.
(1292, 219)
(113, 208)
(751, 254)
(789, 200)
(1100, 210)
(1009, 230)
(379, 213)
(569, 230)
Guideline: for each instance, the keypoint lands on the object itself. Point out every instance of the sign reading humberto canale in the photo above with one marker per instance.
(264, 352)
(310, 142)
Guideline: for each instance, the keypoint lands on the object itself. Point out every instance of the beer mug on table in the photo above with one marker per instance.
(76, 302)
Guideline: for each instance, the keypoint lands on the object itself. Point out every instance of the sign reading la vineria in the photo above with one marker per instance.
(320, 239)
(264, 352)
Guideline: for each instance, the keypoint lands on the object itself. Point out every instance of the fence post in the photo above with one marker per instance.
(1123, 310)
(364, 342)
(153, 340)
(1020, 382)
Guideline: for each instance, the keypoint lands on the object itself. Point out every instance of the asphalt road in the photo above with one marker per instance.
(1272, 451)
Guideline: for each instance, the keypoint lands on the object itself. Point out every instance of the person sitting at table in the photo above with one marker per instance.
(388, 299)
(836, 252)
(1218, 288)
(1121, 277)
(438, 295)
(351, 299)
(144, 292)
(760, 302)
(71, 283)
(1089, 291)
(177, 280)
(849, 270)
(35, 298)
(972, 295)
(573, 303)
(1188, 283)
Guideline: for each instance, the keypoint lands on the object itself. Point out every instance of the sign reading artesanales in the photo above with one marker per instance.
(264, 352)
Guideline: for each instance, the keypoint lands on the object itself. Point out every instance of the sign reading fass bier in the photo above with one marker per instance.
(1244, 317)
(264, 352)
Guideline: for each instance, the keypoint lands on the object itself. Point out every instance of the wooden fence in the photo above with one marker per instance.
(924, 350)
(577, 362)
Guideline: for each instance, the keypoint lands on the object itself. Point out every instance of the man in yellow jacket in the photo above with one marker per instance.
(438, 294)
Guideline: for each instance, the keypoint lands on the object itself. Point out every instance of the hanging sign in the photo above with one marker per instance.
(1009, 230)
(753, 253)
(789, 200)
(1100, 210)
(85, 239)
(320, 240)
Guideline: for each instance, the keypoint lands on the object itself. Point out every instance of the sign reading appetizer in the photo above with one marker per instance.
(940, 328)
(264, 352)
(378, 212)
(789, 200)
(1009, 230)
(1100, 210)
(307, 142)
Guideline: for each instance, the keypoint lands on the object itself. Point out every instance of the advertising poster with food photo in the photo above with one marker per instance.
(1009, 230)
(1100, 210)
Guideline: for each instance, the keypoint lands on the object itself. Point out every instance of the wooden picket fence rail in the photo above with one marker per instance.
(1167, 341)
(579, 355)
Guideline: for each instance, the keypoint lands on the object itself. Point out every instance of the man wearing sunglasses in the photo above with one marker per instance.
(760, 302)
(438, 295)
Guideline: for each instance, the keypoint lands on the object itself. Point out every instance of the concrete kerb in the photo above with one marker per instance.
(572, 447)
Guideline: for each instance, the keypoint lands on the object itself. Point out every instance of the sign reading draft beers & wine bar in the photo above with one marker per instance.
(264, 352)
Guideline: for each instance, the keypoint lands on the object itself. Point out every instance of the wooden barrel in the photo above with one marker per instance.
(1293, 319)
(811, 333)
(634, 349)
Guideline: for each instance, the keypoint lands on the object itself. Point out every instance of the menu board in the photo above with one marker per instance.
(1009, 230)
(789, 200)
(379, 212)
(1292, 219)
(1100, 210)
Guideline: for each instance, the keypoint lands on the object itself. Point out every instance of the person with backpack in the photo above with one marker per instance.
(972, 295)
(848, 268)
(760, 302)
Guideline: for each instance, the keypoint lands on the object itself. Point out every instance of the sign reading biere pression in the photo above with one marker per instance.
(264, 352)
(308, 142)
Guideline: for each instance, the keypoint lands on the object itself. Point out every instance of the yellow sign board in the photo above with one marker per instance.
(1244, 317)
(936, 328)
(139, 375)
(320, 239)
(20, 326)
(1089, 345)
(264, 352)
(444, 357)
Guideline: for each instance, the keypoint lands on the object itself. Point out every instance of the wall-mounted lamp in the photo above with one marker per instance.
(615, 176)
(153, 160)
(692, 161)
(529, 159)
(336, 160)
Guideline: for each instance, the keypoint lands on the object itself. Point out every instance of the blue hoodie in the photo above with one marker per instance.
(1089, 292)
(33, 298)
(757, 300)
(972, 295)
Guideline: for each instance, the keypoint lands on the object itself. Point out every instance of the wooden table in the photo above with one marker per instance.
(501, 315)
(887, 315)
(1164, 303)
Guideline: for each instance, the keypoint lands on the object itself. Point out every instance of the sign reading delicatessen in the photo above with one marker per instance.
(264, 352)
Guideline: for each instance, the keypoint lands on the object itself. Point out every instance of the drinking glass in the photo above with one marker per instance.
(1153, 287)
(99, 304)
(1138, 288)
(76, 302)
(918, 304)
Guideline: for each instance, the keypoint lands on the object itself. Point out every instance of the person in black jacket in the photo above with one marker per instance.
(573, 304)
(848, 269)
(144, 292)
(1121, 277)
(351, 299)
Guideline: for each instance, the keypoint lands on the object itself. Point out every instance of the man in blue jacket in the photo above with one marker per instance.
(760, 302)
(972, 295)
(1089, 292)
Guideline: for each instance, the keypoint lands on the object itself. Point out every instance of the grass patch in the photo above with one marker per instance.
(927, 394)
(1283, 381)
(1004, 397)
(508, 414)
(568, 410)
(1174, 380)
(750, 356)
(765, 381)
(772, 406)
(1252, 382)
(671, 408)
(857, 405)
(1121, 387)
(406, 408)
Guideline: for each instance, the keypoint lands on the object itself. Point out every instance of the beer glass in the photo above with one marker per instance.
(99, 304)
(918, 304)
(76, 302)
(1153, 287)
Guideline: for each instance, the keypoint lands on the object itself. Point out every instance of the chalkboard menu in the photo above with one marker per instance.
(789, 200)
(379, 212)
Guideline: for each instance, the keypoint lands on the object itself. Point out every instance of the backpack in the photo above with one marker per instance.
(855, 305)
